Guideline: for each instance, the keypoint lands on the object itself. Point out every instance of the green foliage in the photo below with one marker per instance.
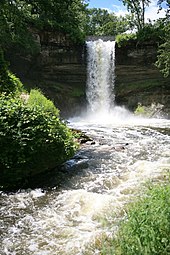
(101, 22)
(163, 62)
(146, 228)
(137, 9)
(9, 83)
(15, 30)
(17, 18)
(124, 39)
(32, 140)
(140, 110)
(37, 100)
(151, 32)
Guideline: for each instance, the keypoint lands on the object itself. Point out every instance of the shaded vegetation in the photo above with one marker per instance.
(32, 139)
(163, 62)
(18, 18)
(9, 83)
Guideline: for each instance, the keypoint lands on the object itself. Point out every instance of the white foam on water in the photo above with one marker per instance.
(65, 221)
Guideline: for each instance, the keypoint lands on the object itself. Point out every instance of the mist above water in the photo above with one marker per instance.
(100, 95)
(67, 219)
(101, 107)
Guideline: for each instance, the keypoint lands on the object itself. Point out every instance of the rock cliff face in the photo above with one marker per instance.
(59, 70)
(138, 80)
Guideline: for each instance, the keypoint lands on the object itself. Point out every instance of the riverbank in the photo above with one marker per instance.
(102, 181)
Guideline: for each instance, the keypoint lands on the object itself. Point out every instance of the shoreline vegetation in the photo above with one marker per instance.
(33, 138)
(142, 225)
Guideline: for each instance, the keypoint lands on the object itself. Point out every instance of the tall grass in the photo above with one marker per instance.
(145, 229)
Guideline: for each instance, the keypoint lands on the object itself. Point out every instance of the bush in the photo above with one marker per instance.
(146, 228)
(37, 99)
(124, 39)
(150, 32)
(9, 83)
(32, 140)
(163, 61)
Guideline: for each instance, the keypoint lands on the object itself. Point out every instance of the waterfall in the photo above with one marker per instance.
(100, 75)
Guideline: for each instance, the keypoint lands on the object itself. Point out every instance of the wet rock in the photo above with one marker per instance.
(82, 137)
(75, 164)
(79, 156)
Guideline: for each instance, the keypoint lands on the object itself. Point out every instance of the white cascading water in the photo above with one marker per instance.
(75, 209)
(100, 84)
(100, 75)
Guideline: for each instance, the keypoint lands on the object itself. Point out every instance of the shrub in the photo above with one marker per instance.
(31, 140)
(150, 32)
(124, 39)
(163, 61)
(140, 110)
(9, 83)
(37, 99)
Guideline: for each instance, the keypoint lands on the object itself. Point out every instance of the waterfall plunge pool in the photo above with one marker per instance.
(128, 151)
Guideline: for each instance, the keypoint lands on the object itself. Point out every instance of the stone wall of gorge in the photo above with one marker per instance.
(59, 70)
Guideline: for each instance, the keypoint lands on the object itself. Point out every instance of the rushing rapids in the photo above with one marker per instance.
(66, 217)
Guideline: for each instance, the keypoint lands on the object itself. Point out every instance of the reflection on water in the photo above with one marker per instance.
(103, 176)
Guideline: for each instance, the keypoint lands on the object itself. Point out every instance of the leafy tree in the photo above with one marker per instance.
(117, 25)
(137, 9)
(101, 22)
(152, 32)
(163, 62)
(14, 26)
(17, 17)
(66, 16)
(96, 19)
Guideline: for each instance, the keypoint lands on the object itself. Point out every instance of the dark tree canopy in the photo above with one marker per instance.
(17, 16)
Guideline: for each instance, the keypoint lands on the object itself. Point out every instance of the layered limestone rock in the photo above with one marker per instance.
(59, 70)
(138, 80)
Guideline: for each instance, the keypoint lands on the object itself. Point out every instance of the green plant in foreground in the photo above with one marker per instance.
(146, 228)
(32, 140)
(37, 99)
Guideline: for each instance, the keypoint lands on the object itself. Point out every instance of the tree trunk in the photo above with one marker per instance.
(143, 13)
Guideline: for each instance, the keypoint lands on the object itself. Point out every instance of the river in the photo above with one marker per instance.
(67, 216)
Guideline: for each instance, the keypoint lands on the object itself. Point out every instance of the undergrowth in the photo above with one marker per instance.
(145, 228)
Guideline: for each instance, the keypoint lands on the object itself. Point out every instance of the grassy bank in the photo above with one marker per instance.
(145, 227)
